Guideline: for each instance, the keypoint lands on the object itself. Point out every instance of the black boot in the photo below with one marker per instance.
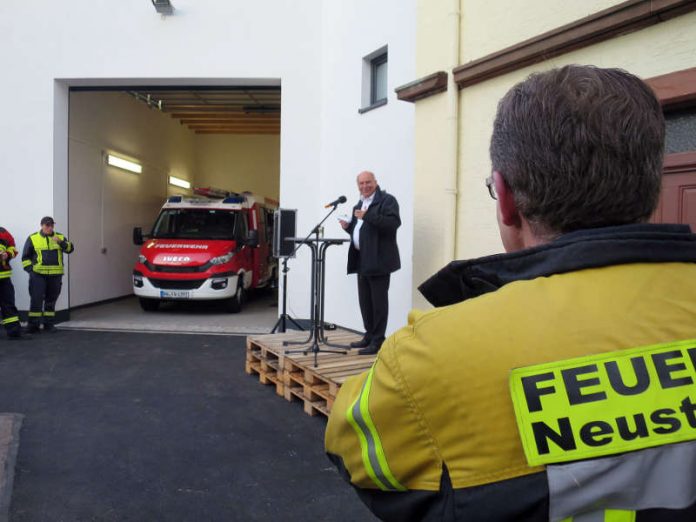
(15, 334)
(372, 348)
(362, 343)
(33, 329)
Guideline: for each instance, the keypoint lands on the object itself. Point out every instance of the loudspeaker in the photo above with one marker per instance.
(284, 224)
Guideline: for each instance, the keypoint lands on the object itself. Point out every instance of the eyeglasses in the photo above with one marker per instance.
(490, 185)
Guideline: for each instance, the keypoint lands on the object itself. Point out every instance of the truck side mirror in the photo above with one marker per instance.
(138, 236)
(253, 238)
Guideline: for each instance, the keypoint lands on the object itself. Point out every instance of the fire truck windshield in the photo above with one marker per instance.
(197, 224)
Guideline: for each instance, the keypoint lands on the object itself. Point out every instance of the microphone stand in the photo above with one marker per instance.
(316, 332)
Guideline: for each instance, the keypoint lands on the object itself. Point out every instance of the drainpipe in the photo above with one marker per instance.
(452, 182)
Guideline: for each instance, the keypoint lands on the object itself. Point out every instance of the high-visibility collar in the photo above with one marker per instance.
(49, 254)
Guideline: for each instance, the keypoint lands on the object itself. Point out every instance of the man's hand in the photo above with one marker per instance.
(55, 239)
(359, 213)
(4, 255)
(344, 224)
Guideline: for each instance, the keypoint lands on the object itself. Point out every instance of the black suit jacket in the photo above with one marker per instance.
(379, 253)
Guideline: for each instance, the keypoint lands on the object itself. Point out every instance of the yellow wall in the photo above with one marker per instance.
(659, 49)
(487, 27)
(491, 25)
(435, 157)
(239, 163)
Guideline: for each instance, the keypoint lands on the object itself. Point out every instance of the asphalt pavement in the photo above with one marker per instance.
(150, 427)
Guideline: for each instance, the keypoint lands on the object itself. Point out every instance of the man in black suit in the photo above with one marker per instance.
(373, 256)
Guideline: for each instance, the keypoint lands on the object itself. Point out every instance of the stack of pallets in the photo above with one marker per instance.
(294, 375)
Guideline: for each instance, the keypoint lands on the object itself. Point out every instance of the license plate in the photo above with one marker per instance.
(175, 294)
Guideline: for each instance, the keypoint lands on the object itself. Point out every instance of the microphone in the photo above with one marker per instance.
(340, 200)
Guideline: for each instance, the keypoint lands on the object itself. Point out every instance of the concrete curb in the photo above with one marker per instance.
(10, 424)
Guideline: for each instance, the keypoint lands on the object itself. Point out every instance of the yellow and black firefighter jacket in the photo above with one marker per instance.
(7, 245)
(9, 319)
(555, 383)
(42, 255)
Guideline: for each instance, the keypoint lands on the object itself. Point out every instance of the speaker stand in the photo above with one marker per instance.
(281, 323)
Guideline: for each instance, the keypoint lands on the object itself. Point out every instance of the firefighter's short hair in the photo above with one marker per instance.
(580, 147)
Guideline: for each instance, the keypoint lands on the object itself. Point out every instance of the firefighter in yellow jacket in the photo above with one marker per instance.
(10, 317)
(556, 381)
(42, 258)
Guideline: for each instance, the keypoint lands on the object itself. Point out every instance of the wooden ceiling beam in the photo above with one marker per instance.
(226, 128)
(228, 121)
(227, 131)
(215, 108)
(213, 116)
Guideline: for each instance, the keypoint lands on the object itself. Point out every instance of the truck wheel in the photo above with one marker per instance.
(234, 304)
(149, 305)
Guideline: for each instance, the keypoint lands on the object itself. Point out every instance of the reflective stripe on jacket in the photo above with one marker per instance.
(45, 255)
(437, 437)
(7, 245)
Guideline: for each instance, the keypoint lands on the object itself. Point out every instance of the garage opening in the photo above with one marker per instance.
(175, 141)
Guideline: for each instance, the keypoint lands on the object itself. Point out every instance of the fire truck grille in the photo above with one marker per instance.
(179, 269)
(173, 284)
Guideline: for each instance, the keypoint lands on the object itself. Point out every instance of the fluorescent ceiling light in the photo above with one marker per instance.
(178, 182)
(121, 163)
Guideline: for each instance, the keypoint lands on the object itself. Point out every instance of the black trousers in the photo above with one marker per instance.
(10, 319)
(43, 292)
(373, 295)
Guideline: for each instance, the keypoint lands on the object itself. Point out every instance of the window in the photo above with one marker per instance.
(374, 85)
(197, 224)
(379, 79)
(680, 131)
(241, 230)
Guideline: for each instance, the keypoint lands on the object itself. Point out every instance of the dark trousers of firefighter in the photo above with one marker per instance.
(43, 292)
(373, 296)
(10, 320)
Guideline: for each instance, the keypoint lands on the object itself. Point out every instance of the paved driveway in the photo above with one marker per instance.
(130, 426)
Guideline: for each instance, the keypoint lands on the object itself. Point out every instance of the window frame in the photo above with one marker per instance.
(371, 62)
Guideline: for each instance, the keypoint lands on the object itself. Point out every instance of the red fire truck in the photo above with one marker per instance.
(215, 248)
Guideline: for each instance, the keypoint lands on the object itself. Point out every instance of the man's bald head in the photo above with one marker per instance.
(367, 183)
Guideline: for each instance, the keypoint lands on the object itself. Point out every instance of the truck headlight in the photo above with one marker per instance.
(222, 259)
(142, 259)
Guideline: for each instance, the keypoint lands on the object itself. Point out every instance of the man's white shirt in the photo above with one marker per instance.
(366, 202)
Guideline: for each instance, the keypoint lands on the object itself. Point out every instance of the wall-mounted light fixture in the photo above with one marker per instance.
(178, 182)
(124, 164)
(164, 7)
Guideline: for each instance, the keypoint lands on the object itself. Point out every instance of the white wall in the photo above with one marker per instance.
(380, 140)
(105, 203)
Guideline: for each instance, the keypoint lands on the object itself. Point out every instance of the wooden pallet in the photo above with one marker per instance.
(294, 374)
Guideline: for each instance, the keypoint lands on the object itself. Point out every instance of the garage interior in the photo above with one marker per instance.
(222, 137)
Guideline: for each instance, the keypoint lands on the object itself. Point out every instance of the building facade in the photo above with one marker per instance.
(57, 57)
(448, 62)
(470, 52)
